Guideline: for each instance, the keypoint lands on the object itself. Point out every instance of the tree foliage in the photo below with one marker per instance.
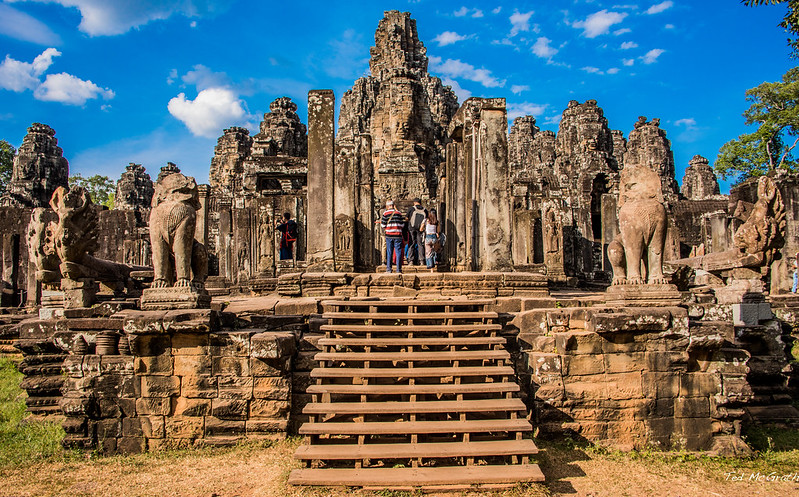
(790, 22)
(774, 110)
(100, 188)
(7, 152)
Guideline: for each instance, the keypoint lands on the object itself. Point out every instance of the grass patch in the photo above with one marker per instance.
(22, 441)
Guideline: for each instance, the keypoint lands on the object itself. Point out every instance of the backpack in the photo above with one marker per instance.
(291, 232)
(417, 218)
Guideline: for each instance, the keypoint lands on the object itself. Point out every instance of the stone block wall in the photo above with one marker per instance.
(667, 377)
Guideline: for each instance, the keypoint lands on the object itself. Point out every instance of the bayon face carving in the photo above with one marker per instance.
(178, 259)
(642, 226)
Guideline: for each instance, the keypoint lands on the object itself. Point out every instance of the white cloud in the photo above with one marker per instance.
(669, 26)
(592, 70)
(477, 13)
(612, 70)
(454, 68)
(543, 49)
(497, 10)
(628, 62)
(448, 38)
(687, 122)
(652, 56)
(520, 22)
(69, 89)
(599, 23)
(461, 93)
(660, 7)
(516, 89)
(212, 110)
(461, 12)
(104, 17)
(525, 109)
(553, 119)
(202, 77)
(628, 45)
(193, 24)
(20, 76)
(173, 75)
(622, 31)
(21, 26)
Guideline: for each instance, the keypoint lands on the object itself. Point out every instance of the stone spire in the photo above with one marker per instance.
(397, 47)
(282, 132)
(39, 168)
(134, 192)
(699, 182)
(648, 146)
(229, 154)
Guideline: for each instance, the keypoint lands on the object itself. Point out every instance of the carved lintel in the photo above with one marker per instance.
(175, 298)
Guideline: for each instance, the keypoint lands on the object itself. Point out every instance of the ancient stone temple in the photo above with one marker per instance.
(578, 290)
(39, 168)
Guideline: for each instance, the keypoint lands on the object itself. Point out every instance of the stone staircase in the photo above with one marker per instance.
(414, 393)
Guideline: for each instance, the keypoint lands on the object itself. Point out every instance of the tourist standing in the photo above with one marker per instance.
(288, 235)
(795, 273)
(416, 216)
(393, 222)
(431, 234)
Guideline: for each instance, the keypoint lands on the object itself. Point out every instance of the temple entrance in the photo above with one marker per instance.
(599, 187)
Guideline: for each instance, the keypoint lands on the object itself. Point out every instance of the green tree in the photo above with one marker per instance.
(100, 188)
(790, 22)
(774, 110)
(7, 152)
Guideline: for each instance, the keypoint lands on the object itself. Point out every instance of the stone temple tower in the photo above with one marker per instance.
(39, 168)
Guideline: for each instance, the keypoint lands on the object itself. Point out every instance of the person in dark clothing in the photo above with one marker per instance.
(416, 216)
(288, 235)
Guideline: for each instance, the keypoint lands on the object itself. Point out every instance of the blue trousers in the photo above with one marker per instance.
(393, 246)
(795, 281)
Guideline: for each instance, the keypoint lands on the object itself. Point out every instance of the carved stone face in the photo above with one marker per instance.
(177, 187)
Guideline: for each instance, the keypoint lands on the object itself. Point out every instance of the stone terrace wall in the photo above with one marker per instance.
(128, 381)
(663, 377)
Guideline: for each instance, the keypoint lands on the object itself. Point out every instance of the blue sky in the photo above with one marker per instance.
(153, 81)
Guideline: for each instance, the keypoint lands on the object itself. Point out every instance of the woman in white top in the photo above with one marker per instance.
(430, 229)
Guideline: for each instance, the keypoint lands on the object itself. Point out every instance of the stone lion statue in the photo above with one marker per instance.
(178, 259)
(642, 227)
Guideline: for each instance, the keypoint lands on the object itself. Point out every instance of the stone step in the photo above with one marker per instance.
(404, 372)
(410, 315)
(438, 389)
(442, 406)
(400, 450)
(407, 302)
(418, 477)
(406, 328)
(408, 342)
(460, 355)
(416, 427)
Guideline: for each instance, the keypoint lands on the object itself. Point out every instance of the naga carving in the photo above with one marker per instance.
(178, 259)
(41, 247)
(761, 234)
(642, 227)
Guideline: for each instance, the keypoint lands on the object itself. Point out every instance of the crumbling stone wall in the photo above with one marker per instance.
(663, 377)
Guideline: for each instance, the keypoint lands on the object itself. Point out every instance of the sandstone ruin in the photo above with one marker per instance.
(578, 283)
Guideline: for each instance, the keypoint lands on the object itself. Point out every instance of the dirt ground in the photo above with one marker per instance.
(262, 471)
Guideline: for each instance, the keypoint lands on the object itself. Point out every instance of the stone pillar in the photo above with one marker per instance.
(366, 230)
(201, 228)
(494, 193)
(321, 111)
(347, 158)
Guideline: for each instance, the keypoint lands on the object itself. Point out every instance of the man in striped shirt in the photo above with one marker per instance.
(392, 222)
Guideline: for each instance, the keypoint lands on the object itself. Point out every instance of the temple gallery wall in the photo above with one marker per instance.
(579, 289)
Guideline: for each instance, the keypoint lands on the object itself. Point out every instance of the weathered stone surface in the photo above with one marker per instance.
(272, 345)
(699, 182)
(135, 193)
(39, 168)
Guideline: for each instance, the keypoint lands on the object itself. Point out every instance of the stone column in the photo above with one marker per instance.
(347, 158)
(320, 228)
(201, 228)
(366, 229)
(494, 193)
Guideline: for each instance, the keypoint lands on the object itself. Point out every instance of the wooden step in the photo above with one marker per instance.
(407, 302)
(459, 355)
(401, 451)
(410, 372)
(481, 405)
(439, 389)
(406, 328)
(406, 342)
(412, 427)
(409, 315)
(418, 477)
